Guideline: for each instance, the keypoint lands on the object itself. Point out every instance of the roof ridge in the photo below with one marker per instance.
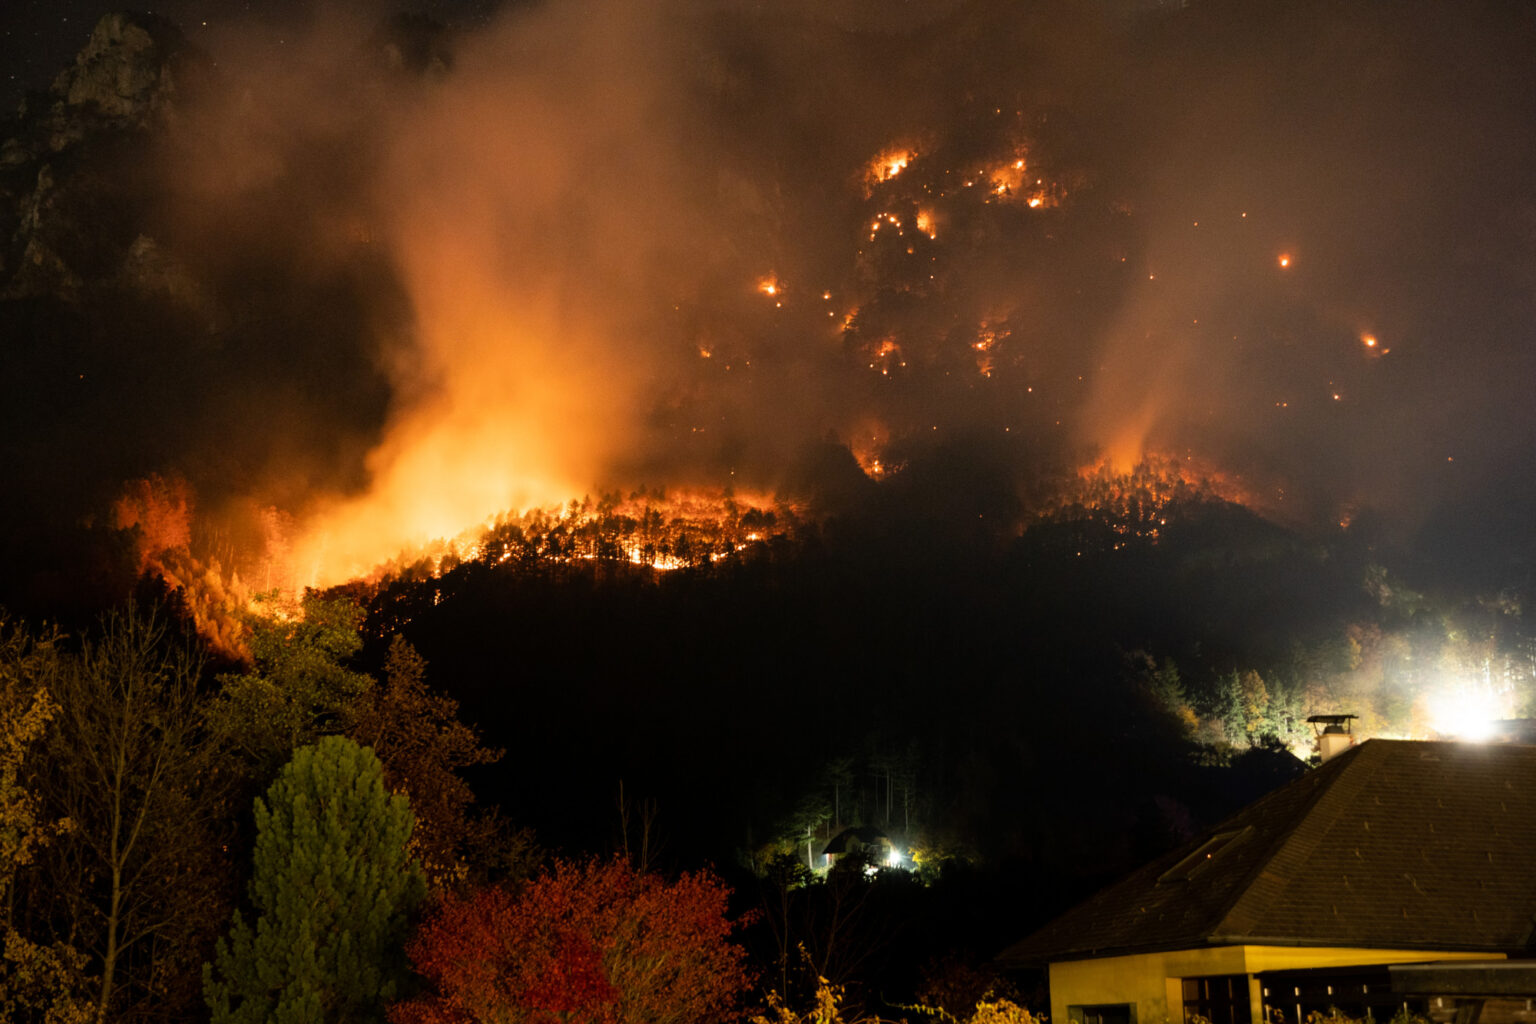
(1310, 824)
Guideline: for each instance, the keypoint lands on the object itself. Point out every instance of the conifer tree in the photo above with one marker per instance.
(332, 889)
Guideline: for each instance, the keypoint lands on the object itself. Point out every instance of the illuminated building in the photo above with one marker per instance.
(861, 840)
(1393, 852)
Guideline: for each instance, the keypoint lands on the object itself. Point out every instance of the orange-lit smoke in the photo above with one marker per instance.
(868, 444)
(159, 510)
(528, 201)
(608, 223)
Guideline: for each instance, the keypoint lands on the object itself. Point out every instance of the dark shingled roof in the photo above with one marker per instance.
(1397, 844)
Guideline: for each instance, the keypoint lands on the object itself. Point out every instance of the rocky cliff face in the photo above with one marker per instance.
(150, 324)
(73, 164)
(78, 180)
(129, 69)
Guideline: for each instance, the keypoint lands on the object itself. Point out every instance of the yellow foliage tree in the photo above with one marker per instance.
(1003, 1011)
(36, 982)
(827, 1008)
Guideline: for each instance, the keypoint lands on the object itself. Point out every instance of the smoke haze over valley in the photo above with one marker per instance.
(394, 280)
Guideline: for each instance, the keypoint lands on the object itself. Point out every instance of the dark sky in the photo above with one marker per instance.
(38, 37)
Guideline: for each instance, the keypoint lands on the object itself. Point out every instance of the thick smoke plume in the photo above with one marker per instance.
(593, 245)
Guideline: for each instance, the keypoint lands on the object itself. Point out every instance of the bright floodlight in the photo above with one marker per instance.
(1464, 714)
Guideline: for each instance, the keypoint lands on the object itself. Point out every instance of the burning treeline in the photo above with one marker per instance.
(227, 562)
(1156, 539)
(222, 579)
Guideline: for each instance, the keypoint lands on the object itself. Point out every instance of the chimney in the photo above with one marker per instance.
(1333, 735)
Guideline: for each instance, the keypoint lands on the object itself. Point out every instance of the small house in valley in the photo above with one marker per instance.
(861, 840)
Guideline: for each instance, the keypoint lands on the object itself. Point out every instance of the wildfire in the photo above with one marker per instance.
(884, 353)
(1007, 178)
(1136, 501)
(888, 164)
(987, 339)
(868, 445)
(160, 510)
(1009, 181)
(177, 544)
(656, 531)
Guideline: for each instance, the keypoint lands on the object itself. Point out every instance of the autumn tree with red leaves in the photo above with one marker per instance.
(592, 943)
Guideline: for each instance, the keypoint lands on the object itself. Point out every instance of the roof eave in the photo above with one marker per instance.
(1215, 941)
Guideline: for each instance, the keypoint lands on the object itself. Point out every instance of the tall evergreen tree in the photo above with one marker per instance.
(332, 890)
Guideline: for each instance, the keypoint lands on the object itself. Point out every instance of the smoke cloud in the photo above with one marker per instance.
(604, 244)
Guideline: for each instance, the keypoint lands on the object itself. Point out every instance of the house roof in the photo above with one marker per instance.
(861, 835)
(1394, 844)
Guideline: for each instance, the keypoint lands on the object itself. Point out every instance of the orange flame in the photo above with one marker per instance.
(887, 164)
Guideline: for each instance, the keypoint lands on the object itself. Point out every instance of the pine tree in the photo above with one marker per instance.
(332, 889)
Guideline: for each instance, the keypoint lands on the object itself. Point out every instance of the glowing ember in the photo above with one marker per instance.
(1284, 260)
